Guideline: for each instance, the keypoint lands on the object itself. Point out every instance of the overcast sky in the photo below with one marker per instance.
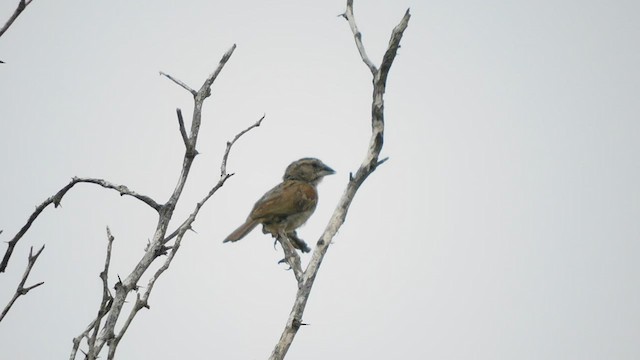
(504, 226)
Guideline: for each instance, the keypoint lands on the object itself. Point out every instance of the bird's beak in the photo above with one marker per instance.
(328, 170)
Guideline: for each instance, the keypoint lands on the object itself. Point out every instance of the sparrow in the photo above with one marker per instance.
(289, 204)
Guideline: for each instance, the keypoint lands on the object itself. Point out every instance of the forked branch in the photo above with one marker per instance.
(368, 165)
(22, 290)
(112, 307)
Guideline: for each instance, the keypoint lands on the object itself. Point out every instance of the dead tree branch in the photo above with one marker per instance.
(142, 301)
(180, 83)
(21, 6)
(104, 307)
(367, 167)
(57, 198)
(291, 256)
(183, 130)
(357, 35)
(111, 307)
(21, 290)
(186, 224)
(223, 166)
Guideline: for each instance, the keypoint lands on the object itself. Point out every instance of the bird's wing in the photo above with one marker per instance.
(289, 197)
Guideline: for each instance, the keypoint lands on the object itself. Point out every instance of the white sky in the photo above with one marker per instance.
(504, 226)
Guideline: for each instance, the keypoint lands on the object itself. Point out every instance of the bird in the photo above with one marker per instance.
(288, 205)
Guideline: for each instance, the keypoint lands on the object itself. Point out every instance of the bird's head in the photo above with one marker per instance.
(310, 170)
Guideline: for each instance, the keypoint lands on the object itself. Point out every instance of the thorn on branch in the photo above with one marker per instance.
(382, 161)
(297, 323)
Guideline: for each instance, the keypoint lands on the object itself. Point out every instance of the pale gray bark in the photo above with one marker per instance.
(307, 277)
(19, 9)
(99, 334)
(22, 290)
(102, 331)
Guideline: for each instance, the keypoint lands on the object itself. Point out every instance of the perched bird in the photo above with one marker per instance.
(287, 206)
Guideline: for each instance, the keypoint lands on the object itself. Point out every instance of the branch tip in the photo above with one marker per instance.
(179, 83)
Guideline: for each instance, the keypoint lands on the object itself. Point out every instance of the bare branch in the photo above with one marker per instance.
(291, 257)
(108, 335)
(180, 83)
(368, 165)
(142, 301)
(21, 6)
(107, 299)
(394, 45)
(123, 190)
(22, 290)
(202, 94)
(205, 90)
(57, 198)
(183, 131)
(105, 305)
(186, 225)
(223, 167)
(348, 14)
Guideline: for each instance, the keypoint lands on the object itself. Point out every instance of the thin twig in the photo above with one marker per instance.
(180, 83)
(223, 166)
(348, 14)
(21, 6)
(21, 290)
(186, 225)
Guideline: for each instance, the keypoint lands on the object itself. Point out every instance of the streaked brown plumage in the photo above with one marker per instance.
(288, 205)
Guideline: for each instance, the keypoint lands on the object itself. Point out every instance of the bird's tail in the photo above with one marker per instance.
(242, 231)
